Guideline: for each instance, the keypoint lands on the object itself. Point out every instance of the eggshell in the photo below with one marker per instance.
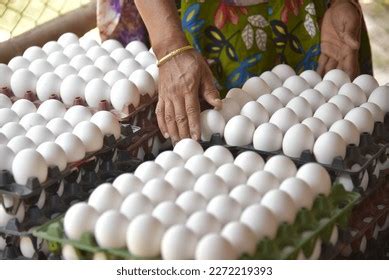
(143, 81)
(28, 163)
(284, 118)
(68, 252)
(113, 76)
(229, 108)
(187, 148)
(7, 115)
(191, 202)
(202, 223)
(210, 185)
(106, 63)
(65, 70)
(281, 167)
(337, 76)
(212, 122)
(33, 53)
(136, 204)
(7, 157)
(255, 112)
(58, 58)
(95, 52)
(263, 181)
(58, 126)
(127, 184)
(169, 214)
(86, 43)
(158, 190)
(80, 61)
(260, 220)
(239, 131)
(90, 135)
(327, 88)
(224, 208)
(328, 113)
(5, 217)
(281, 204)
(219, 155)
(362, 119)
(73, 50)
(154, 72)
(270, 102)
(267, 137)
(297, 139)
(180, 178)
(11, 130)
(107, 123)
(215, 247)
(40, 134)
(23, 80)
(301, 107)
(255, 87)
(72, 146)
(239, 96)
(51, 46)
(316, 177)
(245, 195)
(301, 194)
(343, 103)
(312, 77)
(72, 86)
(128, 66)
(367, 83)
(296, 84)
(53, 154)
(380, 97)
(314, 98)
(18, 62)
(149, 170)
(136, 47)
(120, 54)
(5, 75)
(347, 130)
(283, 71)
(231, 174)
(249, 162)
(40, 67)
(20, 143)
(23, 107)
(328, 146)
(77, 114)
(178, 243)
(169, 160)
(375, 110)
(3, 139)
(111, 44)
(354, 92)
(271, 79)
(51, 109)
(31, 120)
(124, 93)
(97, 90)
(283, 94)
(90, 72)
(105, 197)
(5, 102)
(79, 219)
(48, 84)
(110, 230)
(67, 38)
(316, 125)
(145, 58)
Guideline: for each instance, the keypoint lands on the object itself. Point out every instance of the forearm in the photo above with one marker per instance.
(163, 25)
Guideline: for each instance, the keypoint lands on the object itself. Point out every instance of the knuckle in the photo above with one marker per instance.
(181, 119)
(158, 111)
(191, 110)
(169, 118)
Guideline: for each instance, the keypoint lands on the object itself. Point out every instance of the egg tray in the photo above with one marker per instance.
(317, 223)
(12, 249)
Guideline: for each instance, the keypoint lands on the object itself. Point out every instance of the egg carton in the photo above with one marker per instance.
(25, 247)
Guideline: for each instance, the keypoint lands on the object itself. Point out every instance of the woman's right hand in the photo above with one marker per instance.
(182, 81)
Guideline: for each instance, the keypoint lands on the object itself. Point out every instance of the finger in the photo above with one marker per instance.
(209, 90)
(160, 112)
(350, 65)
(192, 106)
(170, 121)
(350, 40)
(331, 64)
(321, 64)
(181, 118)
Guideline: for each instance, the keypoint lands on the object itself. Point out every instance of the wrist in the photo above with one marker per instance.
(165, 44)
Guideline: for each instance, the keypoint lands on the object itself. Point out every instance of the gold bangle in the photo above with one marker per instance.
(172, 54)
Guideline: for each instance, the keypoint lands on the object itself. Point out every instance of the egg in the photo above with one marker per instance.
(241, 237)
(72, 87)
(178, 243)
(283, 71)
(354, 92)
(316, 177)
(90, 135)
(110, 230)
(12, 129)
(20, 143)
(301, 107)
(97, 90)
(300, 192)
(18, 62)
(347, 130)
(296, 84)
(224, 208)
(26, 247)
(169, 214)
(106, 63)
(255, 87)
(113, 76)
(210, 185)
(260, 220)
(53, 154)
(136, 204)
(23, 107)
(153, 70)
(48, 84)
(40, 134)
(284, 118)
(312, 77)
(297, 139)
(51, 46)
(271, 79)
(67, 39)
(239, 96)
(107, 123)
(124, 93)
(362, 119)
(199, 165)
(73, 50)
(191, 202)
(281, 205)
(145, 58)
(31, 120)
(245, 195)
(5, 102)
(76, 114)
(212, 122)
(58, 126)
(90, 72)
(249, 162)
(51, 109)
(5, 217)
(40, 66)
(169, 160)
(23, 80)
(144, 82)
(239, 131)
(68, 252)
(105, 197)
(3, 139)
(328, 146)
(263, 181)
(229, 108)
(343, 103)
(267, 137)
(7, 157)
(58, 58)
(215, 247)
(328, 113)
(128, 66)
(202, 223)
(149, 170)
(159, 190)
(86, 43)
(80, 61)
(270, 102)
(72, 146)
(33, 53)
(219, 155)
(313, 97)
(337, 76)
(136, 47)
(187, 148)
(127, 184)
(380, 97)
(281, 167)
(180, 178)
(79, 219)
(29, 163)
(316, 125)
(65, 70)
(5, 75)
(327, 88)
(375, 110)
(95, 52)
(231, 174)
(120, 54)
(7, 115)
(283, 94)
(367, 83)
(111, 44)
(255, 112)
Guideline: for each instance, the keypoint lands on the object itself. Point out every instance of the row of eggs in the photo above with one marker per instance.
(191, 203)
(86, 70)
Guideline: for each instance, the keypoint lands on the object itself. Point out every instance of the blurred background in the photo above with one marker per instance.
(20, 16)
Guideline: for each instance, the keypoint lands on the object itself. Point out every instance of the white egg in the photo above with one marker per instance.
(26, 247)
(90, 72)
(18, 62)
(121, 54)
(97, 90)
(77, 114)
(107, 123)
(270, 102)
(159, 190)
(20, 143)
(281, 167)
(296, 84)
(178, 243)
(58, 58)
(255, 112)
(106, 63)
(5, 217)
(23, 80)
(145, 58)
(230, 108)
(113, 76)
(23, 107)
(239, 131)
(245, 195)
(255, 87)
(73, 50)
(362, 118)
(180, 178)
(154, 72)
(231, 174)
(263, 181)
(380, 97)
(51, 109)
(343, 103)
(260, 220)
(105, 197)
(202, 223)
(314, 98)
(27, 164)
(136, 204)
(241, 237)
(337, 76)
(224, 208)
(80, 61)
(210, 185)
(200, 165)
(249, 162)
(95, 52)
(301, 107)
(316, 177)
(239, 96)
(354, 92)
(219, 155)
(47, 85)
(3, 139)
(58, 126)
(169, 160)
(31, 120)
(79, 219)
(271, 79)
(68, 252)
(375, 110)
(65, 70)
(327, 88)
(51, 46)
(312, 77)
(127, 184)
(72, 87)
(215, 247)
(86, 43)
(187, 148)
(144, 82)
(347, 130)
(123, 94)
(144, 236)
(72, 146)
(283, 94)
(281, 204)
(300, 192)
(284, 118)
(128, 66)
(53, 154)
(367, 83)
(5, 102)
(267, 137)
(316, 125)
(40, 67)
(328, 113)
(111, 44)
(169, 214)
(67, 39)
(7, 157)
(90, 135)
(297, 139)
(329, 146)
(40, 134)
(212, 122)
(191, 202)
(149, 170)
(136, 47)
(5, 76)
(33, 53)
(7, 115)
(110, 230)
(283, 71)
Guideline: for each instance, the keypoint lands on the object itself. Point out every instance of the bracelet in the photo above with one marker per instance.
(172, 54)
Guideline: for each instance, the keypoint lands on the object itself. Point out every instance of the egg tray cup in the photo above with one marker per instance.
(12, 249)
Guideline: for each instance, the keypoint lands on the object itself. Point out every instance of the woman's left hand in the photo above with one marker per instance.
(340, 38)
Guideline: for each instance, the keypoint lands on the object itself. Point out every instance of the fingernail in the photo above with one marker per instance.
(166, 135)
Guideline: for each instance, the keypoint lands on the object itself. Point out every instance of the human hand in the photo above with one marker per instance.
(182, 81)
(340, 38)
